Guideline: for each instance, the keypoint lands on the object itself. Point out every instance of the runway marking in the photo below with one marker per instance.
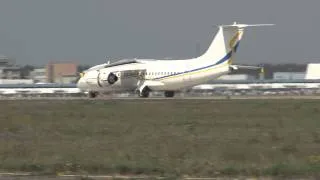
(27, 174)
(15, 174)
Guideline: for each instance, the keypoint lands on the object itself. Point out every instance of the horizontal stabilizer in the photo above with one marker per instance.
(246, 25)
(236, 67)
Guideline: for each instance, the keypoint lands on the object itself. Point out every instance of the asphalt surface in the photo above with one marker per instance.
(163, 98)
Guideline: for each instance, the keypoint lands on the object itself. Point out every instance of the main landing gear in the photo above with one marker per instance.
(145, 92)
(169, 93)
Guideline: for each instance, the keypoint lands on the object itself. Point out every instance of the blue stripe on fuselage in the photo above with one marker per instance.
(224, 59)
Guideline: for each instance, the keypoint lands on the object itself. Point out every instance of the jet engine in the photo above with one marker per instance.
(112, 78)
(108, 78)
(124, 80)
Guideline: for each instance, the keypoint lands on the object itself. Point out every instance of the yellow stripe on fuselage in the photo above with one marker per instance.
(194, 72)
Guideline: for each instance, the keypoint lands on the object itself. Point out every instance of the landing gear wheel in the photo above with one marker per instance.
(169, 93)
(145, 92)
(93, 94)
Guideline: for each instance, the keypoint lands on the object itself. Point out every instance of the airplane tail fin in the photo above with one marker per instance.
(226, 42)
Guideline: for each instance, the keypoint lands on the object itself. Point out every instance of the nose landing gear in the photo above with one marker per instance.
(92, 94)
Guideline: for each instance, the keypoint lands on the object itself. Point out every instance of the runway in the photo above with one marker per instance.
(274, 97)
(107, 177)
(12, 176)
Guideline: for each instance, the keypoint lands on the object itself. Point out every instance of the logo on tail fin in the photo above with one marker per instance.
(233, 44)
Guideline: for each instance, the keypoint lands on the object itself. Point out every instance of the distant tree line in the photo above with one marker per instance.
(83, 67)
(25, 71)
(269, 69)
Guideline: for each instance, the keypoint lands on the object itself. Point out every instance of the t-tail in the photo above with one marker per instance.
(225, 43)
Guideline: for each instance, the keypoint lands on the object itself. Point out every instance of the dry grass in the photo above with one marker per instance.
(162, 137)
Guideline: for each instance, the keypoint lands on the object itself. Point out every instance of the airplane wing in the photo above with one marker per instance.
(137, 74)
(237, 67)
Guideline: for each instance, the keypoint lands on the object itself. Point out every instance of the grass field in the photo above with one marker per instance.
(162, 137)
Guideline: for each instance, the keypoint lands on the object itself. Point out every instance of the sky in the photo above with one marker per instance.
(87, 31)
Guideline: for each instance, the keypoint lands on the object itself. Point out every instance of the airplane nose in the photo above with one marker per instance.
(81, 84)
(88, 81)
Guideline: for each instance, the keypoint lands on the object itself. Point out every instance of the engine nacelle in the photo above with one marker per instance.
(117, 80)
(108, 78)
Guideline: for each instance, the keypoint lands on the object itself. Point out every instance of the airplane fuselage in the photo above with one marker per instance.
(166, 75)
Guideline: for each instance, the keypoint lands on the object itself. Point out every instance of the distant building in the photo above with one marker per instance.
(289, 75)
(62, 72)
(16, 81)
(8, 69)
(39, 75)
(10, 72)
(6, 61)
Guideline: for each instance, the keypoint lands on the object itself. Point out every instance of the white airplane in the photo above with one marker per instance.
(146, 75)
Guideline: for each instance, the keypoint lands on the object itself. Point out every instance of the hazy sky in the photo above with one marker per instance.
(37, 31)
